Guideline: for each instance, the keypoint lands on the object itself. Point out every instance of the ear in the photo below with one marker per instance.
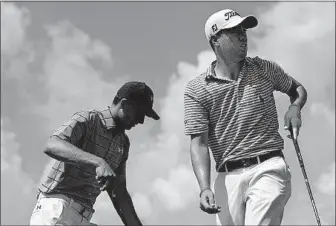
(215, 41)
(121, 103)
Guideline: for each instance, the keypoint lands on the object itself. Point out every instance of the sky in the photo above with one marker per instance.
(61, 57)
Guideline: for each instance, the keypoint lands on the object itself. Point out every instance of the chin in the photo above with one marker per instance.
(242, 55)
(128, 127)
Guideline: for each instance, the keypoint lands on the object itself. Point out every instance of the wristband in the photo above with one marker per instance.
(292, 105)
(203, 190)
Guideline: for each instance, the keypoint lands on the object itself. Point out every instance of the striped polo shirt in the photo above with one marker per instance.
(94, 132)
(240, 116)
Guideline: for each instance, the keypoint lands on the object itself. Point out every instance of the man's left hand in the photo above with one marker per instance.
(293, 120)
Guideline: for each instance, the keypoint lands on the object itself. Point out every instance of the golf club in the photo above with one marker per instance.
(298, 152)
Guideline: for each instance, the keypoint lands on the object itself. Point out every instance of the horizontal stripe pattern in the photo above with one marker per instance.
(240, 116)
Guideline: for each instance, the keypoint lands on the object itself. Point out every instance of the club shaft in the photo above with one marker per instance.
(298, 152)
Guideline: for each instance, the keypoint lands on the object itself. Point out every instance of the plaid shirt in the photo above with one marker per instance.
(94, 132)
(240, 116)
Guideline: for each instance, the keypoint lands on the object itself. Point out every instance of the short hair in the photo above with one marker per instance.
(116, 100)
(212, 45)
(219, 33)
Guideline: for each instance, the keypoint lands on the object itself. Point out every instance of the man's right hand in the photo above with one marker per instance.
(104, 174)
(207, 202)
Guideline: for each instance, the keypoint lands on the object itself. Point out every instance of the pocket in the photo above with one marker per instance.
(58, 209)
(47, 211)
(285, 170)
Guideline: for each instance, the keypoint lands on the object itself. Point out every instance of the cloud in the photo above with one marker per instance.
(173, 181)
(303, 43)
(324, 111)
(142, 205)
(15, 183)
(73, 70)
(306, 58)
(8, 143)
(171, 143)
(72, 73)
(106, 215)
(180, 187)
(326, 182)
(14, 21)
(16, 51)
(104, 212)
(326, 195)
(178, 190)
(160, 176)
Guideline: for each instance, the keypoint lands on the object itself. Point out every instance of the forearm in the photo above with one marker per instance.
(200, 159)
(299, 96)
(124, 206)
(118, 210)
(69, 153)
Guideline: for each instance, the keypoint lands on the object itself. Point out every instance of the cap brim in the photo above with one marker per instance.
(248, 22)
(152, 114)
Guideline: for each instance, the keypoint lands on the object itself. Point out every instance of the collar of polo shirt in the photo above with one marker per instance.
(106, 117)
(211, 74)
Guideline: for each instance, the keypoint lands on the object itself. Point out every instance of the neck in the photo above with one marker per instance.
(228, 69)
(114, 109)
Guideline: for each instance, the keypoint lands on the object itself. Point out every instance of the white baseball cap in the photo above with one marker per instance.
(225, 19)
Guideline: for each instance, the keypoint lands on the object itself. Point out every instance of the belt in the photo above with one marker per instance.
(244, 163)
(81, 209)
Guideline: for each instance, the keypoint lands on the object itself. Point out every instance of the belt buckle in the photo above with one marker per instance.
(87, 213)
(82, 211)
(245, 162)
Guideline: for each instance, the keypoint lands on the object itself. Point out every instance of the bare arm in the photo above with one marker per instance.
(298, 97)
(297, 94)
(200, 159)
(286, 84)
(122, 201)
(64, 151)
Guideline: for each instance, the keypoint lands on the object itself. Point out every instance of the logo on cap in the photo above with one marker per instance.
(214, 28)
(230, 14)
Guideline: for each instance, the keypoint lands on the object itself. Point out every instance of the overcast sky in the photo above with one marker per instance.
(61, 57)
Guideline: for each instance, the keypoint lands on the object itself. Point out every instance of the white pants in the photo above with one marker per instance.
(58, 209)
(253, 196)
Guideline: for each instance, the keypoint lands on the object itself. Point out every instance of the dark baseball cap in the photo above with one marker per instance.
(140, 93)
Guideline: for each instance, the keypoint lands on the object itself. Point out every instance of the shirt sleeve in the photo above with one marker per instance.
(75, 129)
(196, 118)
(280, 79)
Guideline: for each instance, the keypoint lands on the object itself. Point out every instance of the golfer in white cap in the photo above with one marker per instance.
(230, 108)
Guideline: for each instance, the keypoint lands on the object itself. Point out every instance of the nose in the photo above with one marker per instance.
(242, 37)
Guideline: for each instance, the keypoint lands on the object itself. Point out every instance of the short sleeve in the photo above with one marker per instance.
(280, 79)
(196, 118)
(75, 129)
